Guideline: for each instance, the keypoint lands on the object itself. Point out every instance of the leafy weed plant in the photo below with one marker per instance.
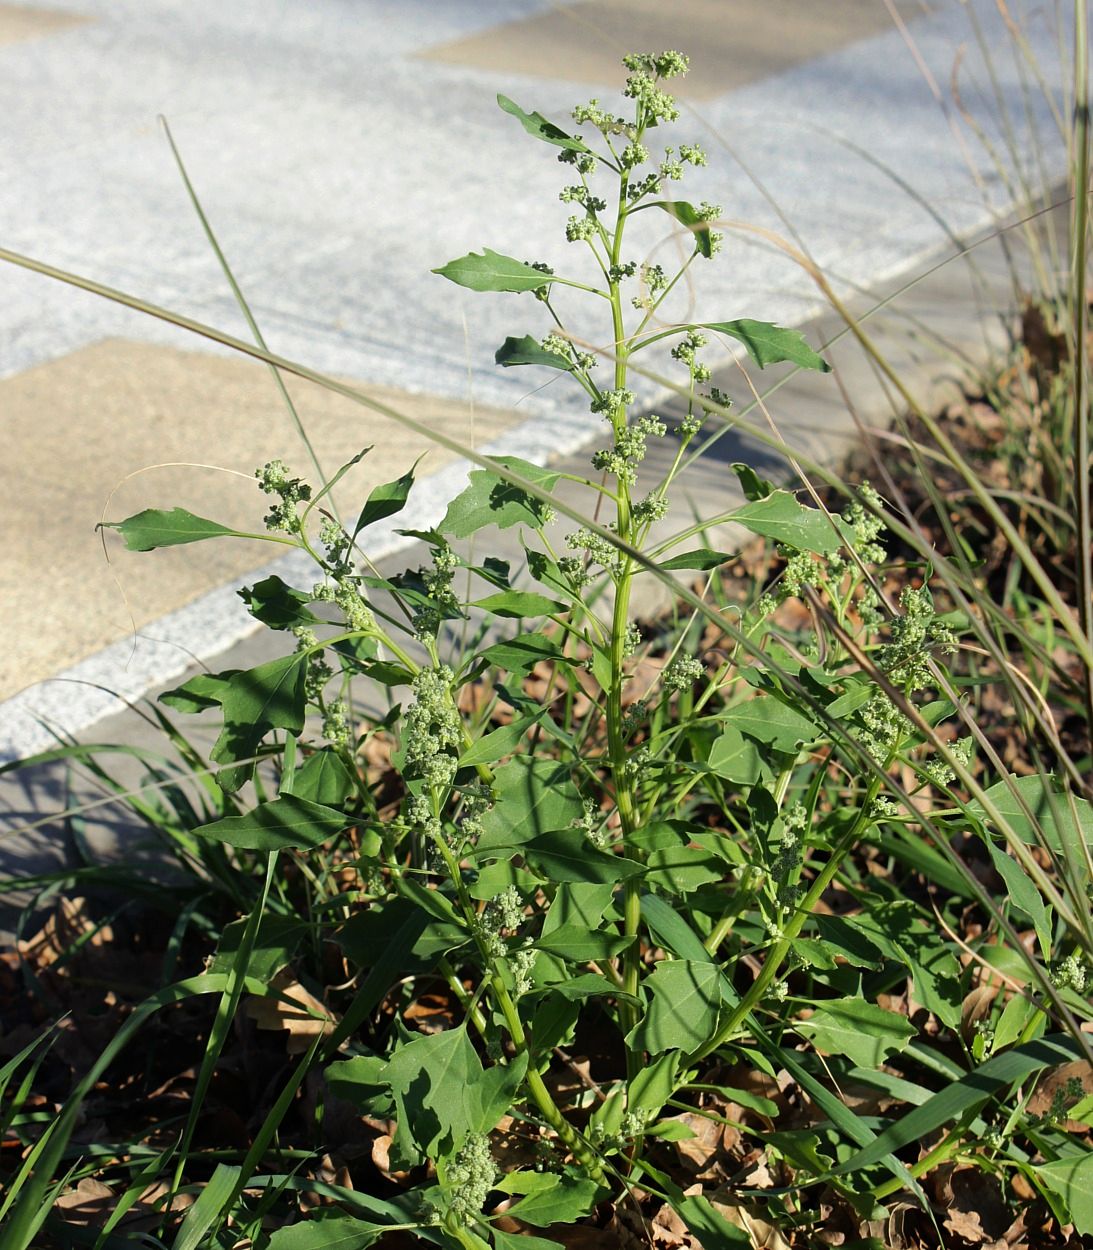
(718, 848)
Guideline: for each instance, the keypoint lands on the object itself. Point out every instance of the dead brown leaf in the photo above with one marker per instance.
(87, 1205)
(68, 924)
(975, 1207)
(698, 1154)
(1057, 1080)
(303, 1018)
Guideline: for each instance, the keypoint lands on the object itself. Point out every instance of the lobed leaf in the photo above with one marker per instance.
(685, 1007)
(784, 518)
(490, 500)
(858, 1029)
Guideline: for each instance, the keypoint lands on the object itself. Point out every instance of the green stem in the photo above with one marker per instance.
(548, 1108)
(773, 963)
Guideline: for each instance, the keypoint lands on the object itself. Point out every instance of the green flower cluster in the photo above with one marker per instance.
(274, 479)
(468, 1179)
(622, 459)
(560, 346)
(681, 673)
(431, 735)
(786, 869)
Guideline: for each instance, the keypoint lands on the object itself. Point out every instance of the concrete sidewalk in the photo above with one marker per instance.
(342, 151)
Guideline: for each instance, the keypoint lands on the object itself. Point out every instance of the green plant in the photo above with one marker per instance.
(648, 861)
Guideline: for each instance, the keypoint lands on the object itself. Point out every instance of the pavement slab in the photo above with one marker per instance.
(18, 22)
(120, 426)
(729, 45)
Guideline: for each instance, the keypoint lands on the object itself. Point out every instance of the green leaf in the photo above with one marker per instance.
(378, 937)
(358, 1080)
(531, 797)
(814, 954)
(276, 604)
(581, 945)
(152, 528)
(322, 778)
(271, 695)
(510, 1241)
(1050, 807)
(713, 1230)
(490, 500)
(735, 757)
(654, 1084)
(753, 486)
(688, 216)
(577, 988)
(328, 487)
(498, 743)
(686, 1003)
(430, 1079)
(536, 124)
(518, 603)
(494, 1092)
(567, 855)
(841, 935)
(278, 825)
(520, 655)
(495, 878)
(990, 1078)
(782, 517)
(493, 272)
(211, 1202)
(1011, 1023)
(203, 691)
(771, 722)
(671, 931)
(274, 945)
(768, 344)
(681, 869)
(577, 903)
(1023, 894)
(563, 1201)
(858, 1029)
(343, 1232)
(384, 501)
(846, 1121)
(527, 351)
(701, 558)
(1071, 1178)
(856, 695)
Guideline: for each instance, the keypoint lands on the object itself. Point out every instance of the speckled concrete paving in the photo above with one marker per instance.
(343, 150)
(136, 425)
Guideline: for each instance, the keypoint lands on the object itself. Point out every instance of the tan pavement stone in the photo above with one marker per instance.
(17, 22)
(730, 42)
(78, 427)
